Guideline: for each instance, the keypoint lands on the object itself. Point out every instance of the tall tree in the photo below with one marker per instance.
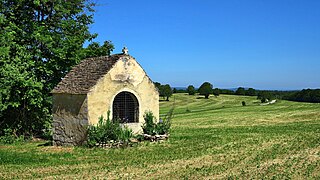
(265, 96)
(95, 50)
(251, 92)
(166, 91)
(306, 95)
(240, 91)
(226, 91)
(191, 90)
(40, 41)
(216, 92)
(205, 89)
(157, 84)
(174, 90)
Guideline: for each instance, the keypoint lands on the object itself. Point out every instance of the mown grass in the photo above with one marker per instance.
(214, 138)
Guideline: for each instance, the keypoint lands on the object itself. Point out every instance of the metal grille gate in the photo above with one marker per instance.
(125, 108)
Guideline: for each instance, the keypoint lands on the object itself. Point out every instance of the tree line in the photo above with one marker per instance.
(306, 95)
(206, 89)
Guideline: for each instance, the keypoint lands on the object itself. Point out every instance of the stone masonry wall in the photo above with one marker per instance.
(69, 119)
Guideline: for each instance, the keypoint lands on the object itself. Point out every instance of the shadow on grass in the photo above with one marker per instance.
(163, 100)
(49, 143)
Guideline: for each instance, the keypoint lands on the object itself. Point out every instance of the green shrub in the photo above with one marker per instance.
(164, 125)
(47, 131)
(108, 130)
(9, 137)
(160, 128)
(264, 100)
(149, 127)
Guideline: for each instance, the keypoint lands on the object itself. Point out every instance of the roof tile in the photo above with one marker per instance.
(85, 75)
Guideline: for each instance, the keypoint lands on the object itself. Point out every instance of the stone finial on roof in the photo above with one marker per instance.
(125, 50)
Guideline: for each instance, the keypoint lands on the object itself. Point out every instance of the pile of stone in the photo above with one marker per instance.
(155, 138)
(115, 144)
(132, 141)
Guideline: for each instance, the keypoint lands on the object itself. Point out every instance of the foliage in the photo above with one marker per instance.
(276, 94)
(160, 128)
(95, 50)
(306, 95)
(157, 84)
(107, 130)
(10, 137)
(216, 92)
(226, 91)
(23, 107)
(265, 96)
(205, 89)
(40, 42)
(191, 90)
(165, 91)
(47, 131)
(164, 124)
(181, 90)
(240, 91)
(174, 90)
(243, 103)
(250, 92)
(149, 127)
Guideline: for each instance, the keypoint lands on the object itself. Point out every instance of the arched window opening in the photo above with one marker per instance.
(126, 107)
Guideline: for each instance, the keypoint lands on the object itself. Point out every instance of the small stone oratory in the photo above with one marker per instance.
(115, 83)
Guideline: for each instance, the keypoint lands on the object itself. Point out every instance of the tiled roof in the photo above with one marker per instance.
(85, 75)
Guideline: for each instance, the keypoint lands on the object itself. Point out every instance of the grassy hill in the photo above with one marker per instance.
(210, 138)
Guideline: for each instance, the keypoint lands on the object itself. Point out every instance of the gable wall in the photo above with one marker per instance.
(126, 75)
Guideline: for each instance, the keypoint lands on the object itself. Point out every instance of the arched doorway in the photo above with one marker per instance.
(126, 107)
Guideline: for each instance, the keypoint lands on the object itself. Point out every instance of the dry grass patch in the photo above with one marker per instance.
(55, 149)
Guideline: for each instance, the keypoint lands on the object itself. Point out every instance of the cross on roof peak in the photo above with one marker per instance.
(125, 50)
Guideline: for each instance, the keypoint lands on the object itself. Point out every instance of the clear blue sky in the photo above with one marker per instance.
(264, 44)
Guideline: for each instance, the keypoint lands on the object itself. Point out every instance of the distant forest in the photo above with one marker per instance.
(305, 95)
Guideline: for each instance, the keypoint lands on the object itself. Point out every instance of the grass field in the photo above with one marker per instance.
(214, 138)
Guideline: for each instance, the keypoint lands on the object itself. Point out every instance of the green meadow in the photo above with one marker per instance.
(215, 138)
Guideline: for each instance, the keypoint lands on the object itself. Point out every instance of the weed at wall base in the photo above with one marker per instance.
(108, 130)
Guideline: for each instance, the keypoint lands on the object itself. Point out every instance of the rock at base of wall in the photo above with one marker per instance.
(69, 131)
(155, 137)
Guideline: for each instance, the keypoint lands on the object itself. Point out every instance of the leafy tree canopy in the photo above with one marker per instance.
(95, 50)
(40, 42)
(216, 92)
(226, 91)
(240, 91)
(165, 91)
(306, 95)
(205, 89)
(265, 96)
(250, 92)
(157, 84)
(174, 90)
(191, 90)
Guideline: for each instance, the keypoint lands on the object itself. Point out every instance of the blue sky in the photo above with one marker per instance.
(264, 44)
